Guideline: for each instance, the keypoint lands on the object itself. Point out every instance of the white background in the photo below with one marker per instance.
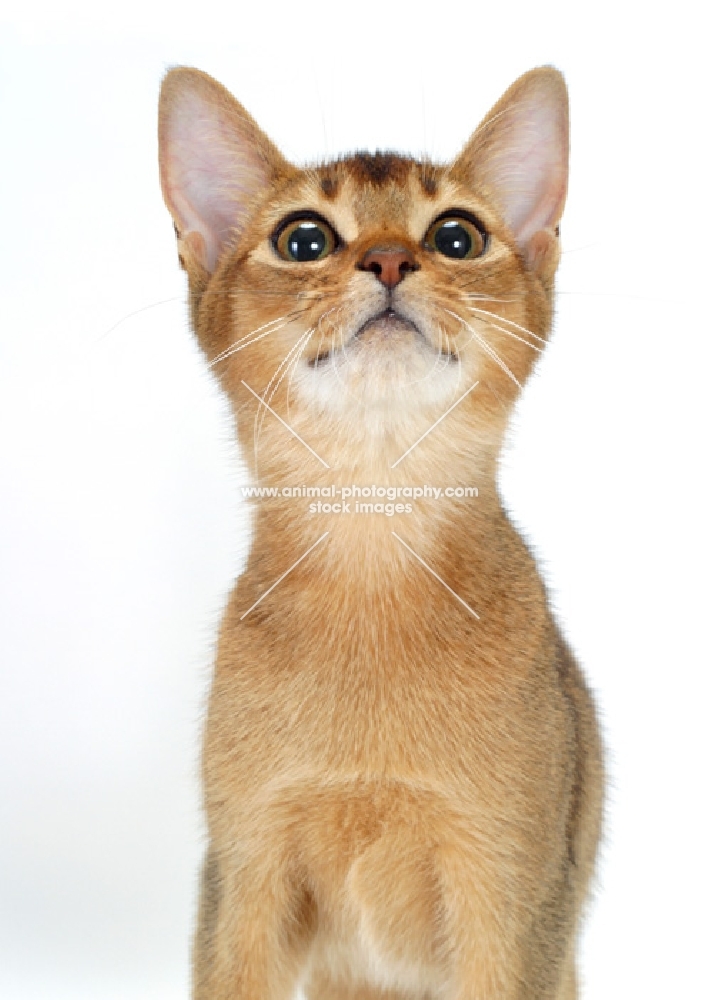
(122, 526)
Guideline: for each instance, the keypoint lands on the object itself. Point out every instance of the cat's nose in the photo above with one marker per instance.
(390, 266)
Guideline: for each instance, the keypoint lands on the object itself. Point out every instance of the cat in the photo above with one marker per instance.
(402, 764)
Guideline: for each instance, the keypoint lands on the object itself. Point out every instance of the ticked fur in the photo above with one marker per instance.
(402, 766)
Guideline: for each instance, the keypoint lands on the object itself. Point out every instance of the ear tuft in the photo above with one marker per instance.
(214, 162)
(519, 154)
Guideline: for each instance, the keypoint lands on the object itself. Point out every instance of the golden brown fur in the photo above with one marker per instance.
(402, 798)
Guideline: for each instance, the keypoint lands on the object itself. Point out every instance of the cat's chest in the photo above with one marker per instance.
(392, 704)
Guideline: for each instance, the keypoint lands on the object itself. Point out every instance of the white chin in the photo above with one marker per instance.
(388, 370)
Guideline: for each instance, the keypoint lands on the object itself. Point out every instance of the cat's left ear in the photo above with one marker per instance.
(214, 161)
(519, 156)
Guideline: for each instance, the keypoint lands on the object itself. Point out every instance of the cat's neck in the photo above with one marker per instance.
(372, 490)
(369, 515)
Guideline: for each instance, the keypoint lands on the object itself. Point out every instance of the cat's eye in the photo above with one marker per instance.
(304, 239)
(458, 236)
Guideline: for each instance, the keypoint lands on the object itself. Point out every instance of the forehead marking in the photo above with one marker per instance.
(408, 197)
(379, 168)
(428, 182)
(330, 185)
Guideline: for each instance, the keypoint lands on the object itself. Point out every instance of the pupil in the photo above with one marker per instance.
(452, 240)
(306, 242)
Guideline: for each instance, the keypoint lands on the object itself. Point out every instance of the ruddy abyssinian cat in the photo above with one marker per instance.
(402, 767)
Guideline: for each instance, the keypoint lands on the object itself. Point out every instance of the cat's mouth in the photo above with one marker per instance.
(384, 326)
(388, 321)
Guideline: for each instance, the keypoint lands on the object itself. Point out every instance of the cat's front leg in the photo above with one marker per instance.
(254, 927)
(509, 932)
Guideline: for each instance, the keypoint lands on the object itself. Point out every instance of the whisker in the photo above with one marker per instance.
(293, 369)
(445, 354)
(487, 347)
(239, 347)
(316, 293)
(441, 360)
(260, 412)
(267, 328)
(498, 399)
(323, 316)
(522, 340)
(274, 324)
(322, 336)
(345, 362)
(320, 320)
(499, 361)
(510, 322)
(137, 312)
(287, 361)
(484, 298)
(461, 367)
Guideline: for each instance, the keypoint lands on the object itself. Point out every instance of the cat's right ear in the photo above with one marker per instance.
(214, 161)
(519, 153)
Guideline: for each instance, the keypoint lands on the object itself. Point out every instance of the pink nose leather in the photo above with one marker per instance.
(390, 266)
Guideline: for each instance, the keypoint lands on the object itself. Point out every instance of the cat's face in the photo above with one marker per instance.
(384, 263)
(365, 296)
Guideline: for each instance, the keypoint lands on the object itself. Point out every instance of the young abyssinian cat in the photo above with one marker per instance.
(402, 767)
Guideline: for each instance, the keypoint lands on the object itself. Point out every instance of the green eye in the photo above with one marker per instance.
(305, 239)
(457, 237)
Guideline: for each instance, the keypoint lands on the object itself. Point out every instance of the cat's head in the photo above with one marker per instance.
(361, 298)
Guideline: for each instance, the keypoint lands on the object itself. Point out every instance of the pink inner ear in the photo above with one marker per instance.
(534, 171)
(193, 177)
(520, 152)
(211, 166)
